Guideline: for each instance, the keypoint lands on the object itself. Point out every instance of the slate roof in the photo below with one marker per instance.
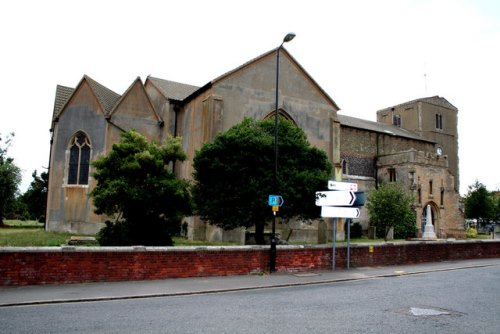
(106, 96)
(63, 94)
(379, 128)
(173, 90)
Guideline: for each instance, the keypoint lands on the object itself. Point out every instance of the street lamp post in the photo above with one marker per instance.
(272, 258)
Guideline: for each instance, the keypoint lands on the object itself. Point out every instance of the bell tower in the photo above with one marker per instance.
(433, 118)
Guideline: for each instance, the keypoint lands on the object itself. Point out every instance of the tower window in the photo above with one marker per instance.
(439, 121)
(392, 174)
(396, 120)
(79, 159)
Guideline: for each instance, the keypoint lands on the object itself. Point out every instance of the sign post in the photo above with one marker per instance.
(342, 201)
(334, 231)
(275, 202)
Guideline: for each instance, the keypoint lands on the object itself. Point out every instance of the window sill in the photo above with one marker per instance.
(82, 186)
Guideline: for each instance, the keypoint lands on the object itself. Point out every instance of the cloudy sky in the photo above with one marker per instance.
(367, 55)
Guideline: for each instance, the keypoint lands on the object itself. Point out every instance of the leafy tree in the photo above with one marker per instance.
(136, 186)
(17, 209)
(234, 175)
(10, 177)
(390, 206)
(35, 198)
(479, 203)
(496, 199)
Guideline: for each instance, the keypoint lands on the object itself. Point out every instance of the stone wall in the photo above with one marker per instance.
(55, 265)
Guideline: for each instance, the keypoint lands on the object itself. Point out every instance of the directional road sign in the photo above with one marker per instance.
(339, 212)
(335, 185)
(340, 198)
(275, 200)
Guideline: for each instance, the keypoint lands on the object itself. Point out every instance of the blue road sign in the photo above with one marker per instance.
(275, 200)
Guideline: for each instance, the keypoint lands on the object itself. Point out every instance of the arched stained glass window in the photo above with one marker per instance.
(79, 159)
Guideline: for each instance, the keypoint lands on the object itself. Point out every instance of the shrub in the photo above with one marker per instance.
(407, 228)
(356, 230)
(471, 232)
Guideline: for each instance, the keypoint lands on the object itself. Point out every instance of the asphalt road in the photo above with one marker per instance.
(457, 301)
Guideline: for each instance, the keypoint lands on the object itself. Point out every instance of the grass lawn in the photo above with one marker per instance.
(32, 234)
(29, 233)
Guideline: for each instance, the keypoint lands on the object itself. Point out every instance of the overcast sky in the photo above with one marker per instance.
(367, 55)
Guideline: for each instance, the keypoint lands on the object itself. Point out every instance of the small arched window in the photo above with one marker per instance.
(79, 159)
(345, 169)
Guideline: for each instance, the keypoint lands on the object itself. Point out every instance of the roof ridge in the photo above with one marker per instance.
(262, 56)
(125, 94)
(173, 90)
(107, 98)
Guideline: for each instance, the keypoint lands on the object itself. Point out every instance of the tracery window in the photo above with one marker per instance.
(79, 159)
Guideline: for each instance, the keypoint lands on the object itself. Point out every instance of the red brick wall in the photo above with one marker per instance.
(19, 266)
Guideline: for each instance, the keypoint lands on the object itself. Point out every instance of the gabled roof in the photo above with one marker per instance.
(137, 81)
(383, 128)
(63, 94)
(255, 60)
(105, 96)
(173, 90)
(436, 100)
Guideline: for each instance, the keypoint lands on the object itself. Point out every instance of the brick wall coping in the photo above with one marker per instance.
(249, 248)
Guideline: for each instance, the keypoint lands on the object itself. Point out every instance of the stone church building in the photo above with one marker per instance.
(415, 143)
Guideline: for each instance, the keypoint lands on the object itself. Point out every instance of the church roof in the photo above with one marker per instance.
(63, 94)
(173, 90)
(107, 98)
(383, 128)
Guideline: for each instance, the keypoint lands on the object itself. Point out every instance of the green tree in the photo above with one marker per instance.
(35, 198)
(10, 177)
(479, 203)
(136, 186)
(496, 199)
(234, 175)
(390, 206)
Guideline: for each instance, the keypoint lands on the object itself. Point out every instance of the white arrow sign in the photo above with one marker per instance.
(335, 185)
(339, 212)
(342, 198)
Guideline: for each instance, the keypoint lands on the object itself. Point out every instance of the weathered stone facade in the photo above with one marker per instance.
(433, 118)
(88, 120)
(376, 152)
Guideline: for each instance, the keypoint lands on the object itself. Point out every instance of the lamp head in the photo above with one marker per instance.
(289, 37)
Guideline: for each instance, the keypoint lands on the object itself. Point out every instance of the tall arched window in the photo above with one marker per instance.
(79, 159)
